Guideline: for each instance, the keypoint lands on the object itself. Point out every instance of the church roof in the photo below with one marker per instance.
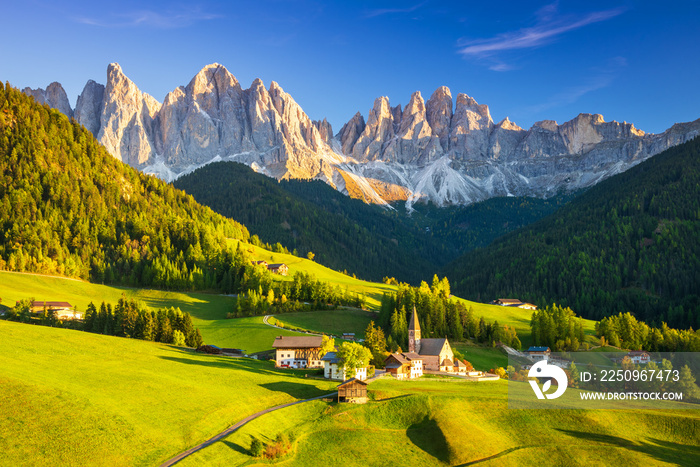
(432, 346)
(414, 324)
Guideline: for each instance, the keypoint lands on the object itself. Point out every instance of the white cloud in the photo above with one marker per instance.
(548, 27)
(387, 11)
(150, 19)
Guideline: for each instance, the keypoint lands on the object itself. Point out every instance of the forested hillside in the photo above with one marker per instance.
(67, 207)
(347, 234)
(629, 244)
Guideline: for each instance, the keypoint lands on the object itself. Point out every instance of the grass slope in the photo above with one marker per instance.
(334, 322)
(74, 398)
(209, 310)
(372, 290)
(457, 423)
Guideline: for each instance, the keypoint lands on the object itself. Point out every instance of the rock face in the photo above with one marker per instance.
(54, 96)
(443, 150)
(88, 109)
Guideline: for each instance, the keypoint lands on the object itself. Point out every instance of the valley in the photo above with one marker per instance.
(379, 295)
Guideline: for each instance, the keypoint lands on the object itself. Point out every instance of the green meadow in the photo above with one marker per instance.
(75, 398)
(435, 422)
(372, 290)
(334, 322)
(209, 310)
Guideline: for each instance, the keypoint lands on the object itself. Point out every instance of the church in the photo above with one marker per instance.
(436, 353)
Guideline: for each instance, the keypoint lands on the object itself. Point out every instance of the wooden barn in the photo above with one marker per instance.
(353, 390)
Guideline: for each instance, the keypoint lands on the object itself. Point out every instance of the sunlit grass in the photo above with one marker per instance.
(70, 397)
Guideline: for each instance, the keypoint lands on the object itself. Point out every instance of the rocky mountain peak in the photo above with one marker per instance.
(213, 79)
(415, 106)
(126, 123)
(549, 125)
(88, 109)
(439, 115)
(447, 154)
(350, 132)
(54, 96)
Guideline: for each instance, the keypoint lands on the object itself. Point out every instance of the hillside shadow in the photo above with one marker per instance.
(661, 450)
(198, 307)
(296, 390)
(428, 436)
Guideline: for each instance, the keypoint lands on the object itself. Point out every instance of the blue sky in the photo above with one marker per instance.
(636, 61)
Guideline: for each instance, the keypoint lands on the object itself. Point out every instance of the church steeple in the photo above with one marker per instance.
(414, 333)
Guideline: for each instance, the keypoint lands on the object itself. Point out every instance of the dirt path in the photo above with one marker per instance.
(287, 329)
(233, 428)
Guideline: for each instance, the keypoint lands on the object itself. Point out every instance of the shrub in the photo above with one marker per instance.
(256, 448)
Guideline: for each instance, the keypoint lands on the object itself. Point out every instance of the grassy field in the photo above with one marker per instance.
(372, 290)
(482, 357)
(334, 322)
(457, 423)
(75, 398)
(519, 319)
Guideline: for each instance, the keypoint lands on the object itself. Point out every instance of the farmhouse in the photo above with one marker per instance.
(538, 353)
(434, 352)
(278, 268)
(298, 351)
(333, 370)
(639, 357)
(353, 390)
(407, 365)
(275, 268)
(62, 310)
(514, 302)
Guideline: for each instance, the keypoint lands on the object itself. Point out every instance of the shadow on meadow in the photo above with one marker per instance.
(236, 447)
(296, 390)
(428, 436)
(661, 450)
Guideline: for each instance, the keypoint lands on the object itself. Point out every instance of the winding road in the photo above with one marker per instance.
(232, 428)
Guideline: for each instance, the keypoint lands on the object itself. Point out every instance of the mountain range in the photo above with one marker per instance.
(629, 244)
(445, 150)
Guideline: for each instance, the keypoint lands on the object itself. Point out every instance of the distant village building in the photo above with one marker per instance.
(275, 268)
(407, 365)
(514, 302)
(278, 268)
(353, 390)
(333, 370)
(639, 357)
(298, 351)
(434, 352)
(460, 367)
(538, 353)
(62, 310)
(447, 365)
(349, 336)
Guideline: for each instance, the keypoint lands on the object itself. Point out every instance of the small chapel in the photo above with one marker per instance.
(436, 353)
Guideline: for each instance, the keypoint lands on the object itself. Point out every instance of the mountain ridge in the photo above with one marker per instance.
(628, 244)
(444, 150)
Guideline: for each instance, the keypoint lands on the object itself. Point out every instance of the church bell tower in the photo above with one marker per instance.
(414, 333)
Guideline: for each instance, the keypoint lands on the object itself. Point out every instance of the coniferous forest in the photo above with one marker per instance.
(629, 244)
(370, 241)
(68, 207)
